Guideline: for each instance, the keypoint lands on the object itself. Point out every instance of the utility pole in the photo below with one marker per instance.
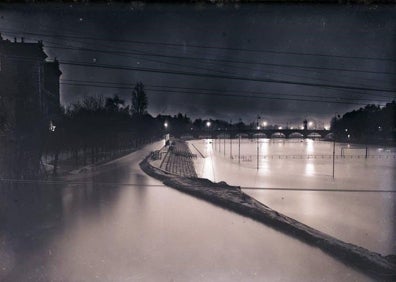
(230, 147)
(224, 145)
(239, 150)
(334, 141)
(258, 134)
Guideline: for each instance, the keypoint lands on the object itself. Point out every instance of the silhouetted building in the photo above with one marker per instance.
(29, 100)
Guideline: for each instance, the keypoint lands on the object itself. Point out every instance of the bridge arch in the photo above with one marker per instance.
(296, 135)
(329, 136)
(278, 135)
(242, 135)
(259, 135)
(314, 135)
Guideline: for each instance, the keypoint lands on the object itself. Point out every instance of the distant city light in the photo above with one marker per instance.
(302, 127)
(280, 127)
(166, 125)
(292, 127)
(264, 123)
(310, 123)
(349, 136)
(258, 127)
(326, 127)
(208, 123)
(346, 129)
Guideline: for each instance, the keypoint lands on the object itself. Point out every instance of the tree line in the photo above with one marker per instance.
(371, 123)
(96, 129)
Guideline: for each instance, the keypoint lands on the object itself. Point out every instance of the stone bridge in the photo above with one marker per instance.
(261, 133)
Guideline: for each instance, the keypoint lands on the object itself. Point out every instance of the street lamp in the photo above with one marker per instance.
(52, 126)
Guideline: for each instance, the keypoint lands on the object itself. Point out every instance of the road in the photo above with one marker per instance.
(114, 223)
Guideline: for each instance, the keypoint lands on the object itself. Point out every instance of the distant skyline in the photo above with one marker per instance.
(285, 63)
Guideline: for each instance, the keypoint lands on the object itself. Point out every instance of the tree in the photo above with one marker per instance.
(139, 99)
(114, 104)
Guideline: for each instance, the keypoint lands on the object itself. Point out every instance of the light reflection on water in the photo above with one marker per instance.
(309, 169)
(309, 146)
(118, 233)
(366, 219)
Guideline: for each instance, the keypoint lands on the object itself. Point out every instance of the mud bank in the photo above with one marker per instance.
(232, 198)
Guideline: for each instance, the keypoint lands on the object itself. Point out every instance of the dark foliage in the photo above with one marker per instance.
(371, 123)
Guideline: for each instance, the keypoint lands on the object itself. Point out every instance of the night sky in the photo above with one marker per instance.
(226, 54)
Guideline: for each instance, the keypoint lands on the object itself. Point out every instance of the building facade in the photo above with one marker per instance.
(29, 101)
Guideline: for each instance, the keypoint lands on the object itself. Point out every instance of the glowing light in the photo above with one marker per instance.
(310, 123)
(280, 127)
(264, 123)
(166, 124)
(208, 123)
(52, 127)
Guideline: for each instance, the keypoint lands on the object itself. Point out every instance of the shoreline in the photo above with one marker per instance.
(232, 198)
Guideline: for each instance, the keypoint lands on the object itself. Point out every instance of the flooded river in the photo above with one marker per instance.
(357, 206)
(117, 224)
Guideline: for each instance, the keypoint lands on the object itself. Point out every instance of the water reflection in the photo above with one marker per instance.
(309, 169)
(354, 217)
(208, 170)
(309, 146)
(105, 235)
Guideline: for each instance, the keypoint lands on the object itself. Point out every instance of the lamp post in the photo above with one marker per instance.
(208, 124)
(239, 150)
(334, 141)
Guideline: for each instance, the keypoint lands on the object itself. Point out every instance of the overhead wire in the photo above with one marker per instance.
(178, 57)
(218, 76)
(167, 87)
(156, 43)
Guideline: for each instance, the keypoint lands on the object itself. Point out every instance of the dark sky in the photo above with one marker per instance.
(336, 32)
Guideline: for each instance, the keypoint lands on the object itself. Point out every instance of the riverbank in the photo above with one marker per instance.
(232, 198)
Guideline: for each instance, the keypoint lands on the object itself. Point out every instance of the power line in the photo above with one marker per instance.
(320, 190)
(203, 60)
(140, 53)
(257, 92)
(194, 74)
(220, 60)
(70, 182)
(198, 46)
(134, 55)
(166, 88)
(218, 94)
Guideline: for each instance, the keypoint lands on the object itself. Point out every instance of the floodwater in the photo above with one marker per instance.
(117, 224)
(293, 172)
